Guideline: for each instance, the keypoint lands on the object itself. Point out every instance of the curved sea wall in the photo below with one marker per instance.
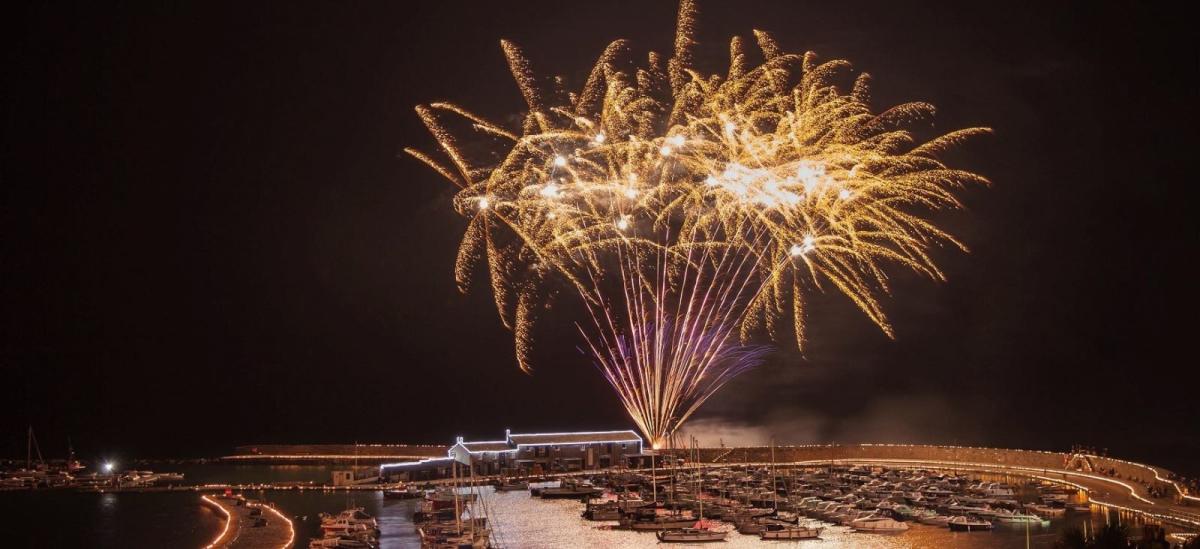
(830, 452)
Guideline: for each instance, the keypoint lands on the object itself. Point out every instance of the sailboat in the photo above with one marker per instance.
(776, 530)
(471, 534)
(702, 530)
(30, 476)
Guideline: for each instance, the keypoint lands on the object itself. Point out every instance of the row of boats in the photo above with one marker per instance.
(769, 504)
(703, 504)
(38, 473)
(449, 518)
(52, 478)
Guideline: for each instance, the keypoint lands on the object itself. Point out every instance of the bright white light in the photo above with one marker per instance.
(804, 247)
(108, 467)
(551, 215)
(560, 161)
(711, 180)
(623, 223)
(484, 203)
(730, 127)
(550, 191)
(845, 194)
(677, 140)
(631, 193)
(600, 137)
(665, 151)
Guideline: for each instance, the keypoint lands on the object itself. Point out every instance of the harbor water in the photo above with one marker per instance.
(56, 518)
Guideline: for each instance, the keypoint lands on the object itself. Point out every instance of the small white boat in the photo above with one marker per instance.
(350, 522)
(878, 524)
(787, 531)
(1009, 517)
(1045, 510)
(408, 492)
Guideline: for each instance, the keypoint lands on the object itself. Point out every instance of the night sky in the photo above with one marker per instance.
(208, 236)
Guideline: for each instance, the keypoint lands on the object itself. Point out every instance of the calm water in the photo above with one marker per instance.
(67, 519)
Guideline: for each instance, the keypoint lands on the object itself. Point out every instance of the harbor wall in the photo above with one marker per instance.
(335, 453)
(783, 454)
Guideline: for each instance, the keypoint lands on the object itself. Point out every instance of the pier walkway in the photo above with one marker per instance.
(240, 530)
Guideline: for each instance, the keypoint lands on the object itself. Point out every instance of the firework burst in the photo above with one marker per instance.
(692, 213)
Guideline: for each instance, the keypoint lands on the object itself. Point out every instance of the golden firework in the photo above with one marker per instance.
(692, 212)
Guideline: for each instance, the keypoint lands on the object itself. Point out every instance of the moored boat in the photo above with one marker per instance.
(352, 522)
(1045, 510)
(512, 486)
(699, 532)
(656, 522)
(968, 524)
(410, 492)
(1010, 517)
(607, 510)
(878, 524)
(570, 490)
(788, 531)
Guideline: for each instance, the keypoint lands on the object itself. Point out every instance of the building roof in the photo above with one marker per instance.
(574, 438)
(436, 462)
(495, 446)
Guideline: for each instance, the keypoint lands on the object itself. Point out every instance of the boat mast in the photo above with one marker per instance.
(457, 507)
(653, 477)
(471, 483)
(699, 478)
(671, 445)
(774, 488)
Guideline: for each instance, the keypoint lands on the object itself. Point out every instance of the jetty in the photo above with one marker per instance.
(250, 524)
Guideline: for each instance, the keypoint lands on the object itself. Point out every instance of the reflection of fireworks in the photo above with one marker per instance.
(692, 211)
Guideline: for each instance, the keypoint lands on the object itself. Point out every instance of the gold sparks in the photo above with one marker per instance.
(691, 212)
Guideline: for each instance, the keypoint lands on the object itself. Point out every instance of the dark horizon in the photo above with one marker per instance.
(211, 238)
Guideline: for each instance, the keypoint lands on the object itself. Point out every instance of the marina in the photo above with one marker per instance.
(490, 494)
(517, 519)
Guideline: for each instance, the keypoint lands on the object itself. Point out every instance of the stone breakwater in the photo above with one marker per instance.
(826, 452)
